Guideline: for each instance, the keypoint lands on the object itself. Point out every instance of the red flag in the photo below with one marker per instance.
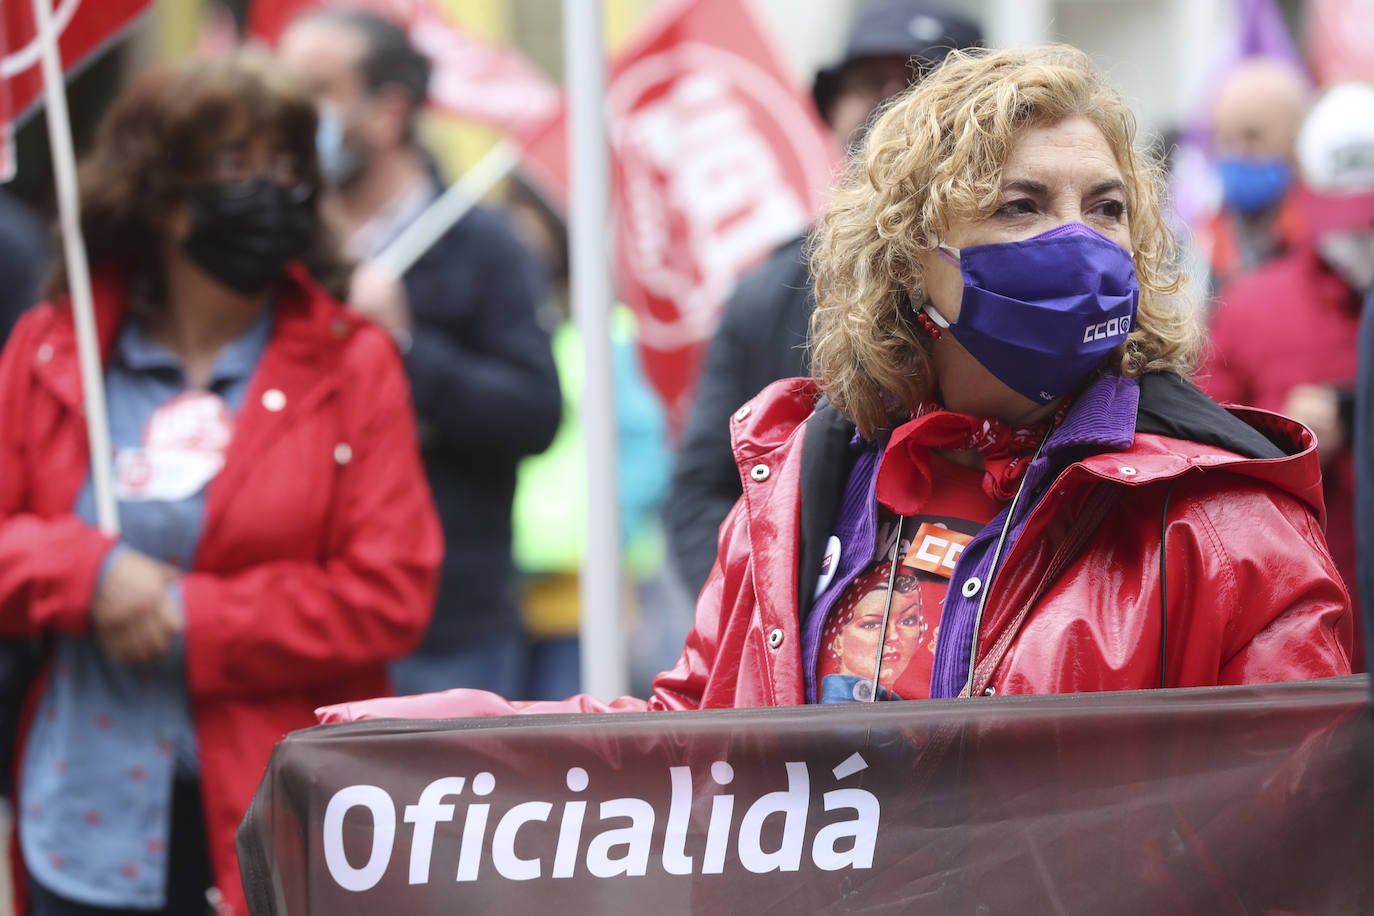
(472, 78)
(267, 19)
(86, 27)
(476, 79)
(717, 157)
(1340, 39)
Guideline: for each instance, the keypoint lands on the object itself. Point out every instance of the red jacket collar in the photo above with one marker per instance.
(769, 420)
(309, 325)
(1154, 457)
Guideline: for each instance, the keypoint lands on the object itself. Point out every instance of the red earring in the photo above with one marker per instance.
(928, 324)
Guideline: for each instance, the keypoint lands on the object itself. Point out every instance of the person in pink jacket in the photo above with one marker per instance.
(1000, 441)
(278, 543)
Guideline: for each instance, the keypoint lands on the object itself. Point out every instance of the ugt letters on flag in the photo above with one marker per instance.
(717, 158)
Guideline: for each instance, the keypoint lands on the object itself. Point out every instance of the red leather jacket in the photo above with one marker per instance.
(1253, 595)
(319, 557)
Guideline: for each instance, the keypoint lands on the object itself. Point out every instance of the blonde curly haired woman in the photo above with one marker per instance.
(998, 314)
(1001, 410)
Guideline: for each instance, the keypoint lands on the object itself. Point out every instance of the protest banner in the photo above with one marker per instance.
(1237, 799)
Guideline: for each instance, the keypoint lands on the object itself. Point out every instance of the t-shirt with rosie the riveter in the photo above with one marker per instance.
(931, 542)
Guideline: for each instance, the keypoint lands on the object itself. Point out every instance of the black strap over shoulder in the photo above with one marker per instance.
(824, 469)
(1172, 406)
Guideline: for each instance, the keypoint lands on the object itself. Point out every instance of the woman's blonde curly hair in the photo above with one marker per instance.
(936, 154)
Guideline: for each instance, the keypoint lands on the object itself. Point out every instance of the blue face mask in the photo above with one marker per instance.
(1251, 186)
(1042, 313)
(339, 162)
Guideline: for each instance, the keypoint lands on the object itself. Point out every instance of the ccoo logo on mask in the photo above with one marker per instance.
(1117, 327)
(1025, 303)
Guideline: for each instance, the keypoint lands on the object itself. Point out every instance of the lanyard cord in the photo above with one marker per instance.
(992, 569)
(887, 611)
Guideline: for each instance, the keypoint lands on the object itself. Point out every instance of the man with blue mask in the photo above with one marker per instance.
(1255, 118)
(1285, 337)
(481, 367)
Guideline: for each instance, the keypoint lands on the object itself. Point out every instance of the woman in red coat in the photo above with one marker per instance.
(278, 541)
(1001, 481)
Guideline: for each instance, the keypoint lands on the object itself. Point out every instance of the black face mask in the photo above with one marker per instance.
(243, 233)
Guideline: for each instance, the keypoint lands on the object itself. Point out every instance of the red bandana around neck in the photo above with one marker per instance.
(904, 474)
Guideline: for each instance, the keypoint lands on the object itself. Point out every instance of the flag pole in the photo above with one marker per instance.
(78, 271)
(604, 669)
(447, 209)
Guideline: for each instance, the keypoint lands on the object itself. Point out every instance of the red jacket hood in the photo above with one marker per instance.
(779, 411)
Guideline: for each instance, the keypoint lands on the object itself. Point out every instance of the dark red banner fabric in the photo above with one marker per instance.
(1218, 800)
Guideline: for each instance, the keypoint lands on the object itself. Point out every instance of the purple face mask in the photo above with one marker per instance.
(1042, 313)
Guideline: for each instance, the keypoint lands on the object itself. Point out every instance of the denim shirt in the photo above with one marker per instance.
(1102, 417)
(108, 739)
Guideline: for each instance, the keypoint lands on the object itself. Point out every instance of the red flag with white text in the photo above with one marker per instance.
(86, 28)
(717, 157)
(472, 78)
